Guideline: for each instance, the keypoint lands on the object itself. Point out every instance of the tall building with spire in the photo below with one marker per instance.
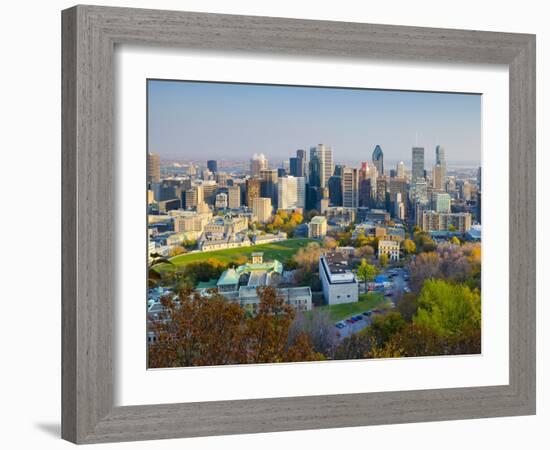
(378, 159)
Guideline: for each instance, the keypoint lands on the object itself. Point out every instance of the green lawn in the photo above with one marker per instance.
(282, 251)
(372, 300)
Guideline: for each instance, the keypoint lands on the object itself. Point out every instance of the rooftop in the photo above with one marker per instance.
(337, 262)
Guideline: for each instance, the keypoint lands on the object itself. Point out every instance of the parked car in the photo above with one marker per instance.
(367, 313)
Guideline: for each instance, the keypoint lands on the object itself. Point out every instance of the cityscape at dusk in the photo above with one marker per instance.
(290, 224)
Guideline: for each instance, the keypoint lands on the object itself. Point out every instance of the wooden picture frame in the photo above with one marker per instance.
(90, 34)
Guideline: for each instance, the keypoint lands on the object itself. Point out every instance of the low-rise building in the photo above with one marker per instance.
(389, 248)
(318, 227)
(240, 285)
(190, 221)
(218, 241)
(269, 237)
(339, 282)
(228, 224)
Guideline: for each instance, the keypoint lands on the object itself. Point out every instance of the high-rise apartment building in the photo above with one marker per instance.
(434, 221)
(417, 164)
(350, 188)
(153, 168)
(378, 159)
(262, 209)
(291, 192)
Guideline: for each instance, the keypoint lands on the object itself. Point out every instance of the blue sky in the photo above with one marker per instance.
(193, 120)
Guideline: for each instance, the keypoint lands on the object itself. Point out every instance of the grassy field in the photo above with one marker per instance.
(282, 251)
(372, 300)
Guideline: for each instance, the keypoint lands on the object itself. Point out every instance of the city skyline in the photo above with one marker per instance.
(232, 121)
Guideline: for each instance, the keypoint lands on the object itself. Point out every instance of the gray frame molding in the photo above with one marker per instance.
(89, 36)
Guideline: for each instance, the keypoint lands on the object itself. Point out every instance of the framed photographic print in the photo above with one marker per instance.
(267, 222)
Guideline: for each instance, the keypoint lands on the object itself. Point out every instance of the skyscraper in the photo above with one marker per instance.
(268, 188)
(367, 184)
(400, 172)
(440, 159)
(153, 168)
(253, 187)
(298, 164)
(381, 192)
(378, 159)
(291, 192)
(438, 182)
(261, 208)
(417, 164)
(441, 202)
(350, 188)
(321, 165)
(212, 165)
(335, 190)
(257, 163)
(301, 155)
(234, 197)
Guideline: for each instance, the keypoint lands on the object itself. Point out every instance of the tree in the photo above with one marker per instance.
(408, 246)
(448, 309)
(297, 218)
(366, 272)
(176, 250)
(329, 242)
(383, 260)
(364, 252)
(308, 257)
(424, 242)
(277, 221)
(407, 306)
(319, 328)
(385, 326)
(200, 330)
(455, 240)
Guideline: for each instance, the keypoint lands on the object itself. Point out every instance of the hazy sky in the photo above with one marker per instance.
(190, 120)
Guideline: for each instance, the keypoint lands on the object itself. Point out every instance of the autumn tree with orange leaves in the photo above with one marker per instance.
(196, 330)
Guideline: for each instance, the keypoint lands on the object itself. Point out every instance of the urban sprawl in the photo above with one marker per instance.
(345, 246)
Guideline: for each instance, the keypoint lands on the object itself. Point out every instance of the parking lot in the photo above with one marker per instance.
(393, 283)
